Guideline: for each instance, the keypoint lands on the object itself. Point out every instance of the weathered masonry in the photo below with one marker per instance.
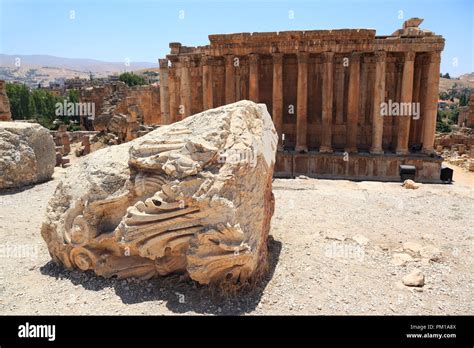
(324, 90)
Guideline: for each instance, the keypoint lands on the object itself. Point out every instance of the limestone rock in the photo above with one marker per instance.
(415, 278)
(412, 247)
(27, 154)
(410, 184)
(336, 235)
(194, 197)
(412, 22)
(360, 239)
(399, 259)
(431, 253)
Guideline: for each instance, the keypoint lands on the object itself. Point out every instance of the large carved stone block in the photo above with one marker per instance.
(194, 197)
(27, 154)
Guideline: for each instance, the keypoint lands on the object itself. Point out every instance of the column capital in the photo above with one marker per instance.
(303, 57)
(185, 62)
(328, 57)
(435, 57)
(253, 58)
(410, 56)
(356, 56)
(229, 58)
(206, 60)
(277, 58)
(380, 56)
(163, 63)
(172, 73)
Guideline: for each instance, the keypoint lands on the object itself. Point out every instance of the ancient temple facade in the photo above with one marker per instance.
(345, 103)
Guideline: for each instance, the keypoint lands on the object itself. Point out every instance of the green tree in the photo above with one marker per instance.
(132, 80)
(38, 104)
(45, 106)
(21, 104)
(73, 95)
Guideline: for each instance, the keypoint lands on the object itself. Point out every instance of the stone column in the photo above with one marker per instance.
(173, 95)
(185, 95)
(406, 97)
(207, 87)
(253, 77)
(353, 103)
(328, 72)
(278, 96)
(229, 79)
(302, 103)
(378, 98)
(415, 127)
(431, 103)
(164, 92)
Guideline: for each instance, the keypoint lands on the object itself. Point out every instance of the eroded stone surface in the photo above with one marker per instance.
(27, 154)
(193, 197)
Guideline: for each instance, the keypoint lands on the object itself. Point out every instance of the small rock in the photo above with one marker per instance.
(400, 259)
(415, 278)
(410, 184)
(304, 177)
(361, 239)
(336, 235)
(430, 252)
(412, 247)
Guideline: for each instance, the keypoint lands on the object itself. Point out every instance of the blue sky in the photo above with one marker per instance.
(141, 30)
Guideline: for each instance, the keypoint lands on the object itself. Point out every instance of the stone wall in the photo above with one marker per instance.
(466, 114)
(141, 104)
(144, 102)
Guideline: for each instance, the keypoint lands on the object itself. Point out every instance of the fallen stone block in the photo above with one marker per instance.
(194, 197)
(27, 154)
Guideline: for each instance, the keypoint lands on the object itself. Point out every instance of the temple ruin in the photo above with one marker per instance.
(324, 90)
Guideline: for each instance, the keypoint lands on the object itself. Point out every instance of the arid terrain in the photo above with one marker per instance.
(336, 247)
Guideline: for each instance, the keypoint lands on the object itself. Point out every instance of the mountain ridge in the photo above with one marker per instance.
(78, 64)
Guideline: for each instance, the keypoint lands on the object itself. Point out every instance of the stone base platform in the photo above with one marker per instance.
(359, 166)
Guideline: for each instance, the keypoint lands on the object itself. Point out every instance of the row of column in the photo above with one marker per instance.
(171, 112)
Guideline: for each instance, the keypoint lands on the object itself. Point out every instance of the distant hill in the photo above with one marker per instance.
(75, 64)
(467, 77)
(463, 81)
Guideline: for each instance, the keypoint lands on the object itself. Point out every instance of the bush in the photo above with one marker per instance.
(132, 80)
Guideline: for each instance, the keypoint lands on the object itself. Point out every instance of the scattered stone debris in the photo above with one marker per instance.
(457, 147)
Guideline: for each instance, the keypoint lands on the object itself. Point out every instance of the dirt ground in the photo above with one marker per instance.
(332, 250)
